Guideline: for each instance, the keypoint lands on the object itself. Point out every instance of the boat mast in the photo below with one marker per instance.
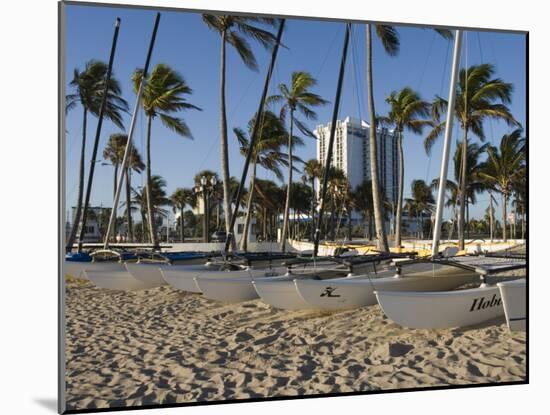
(253, 136)
(331, 140)
(97, 135)
(131, 133)
(447, 143)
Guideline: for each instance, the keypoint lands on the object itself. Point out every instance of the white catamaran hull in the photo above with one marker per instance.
(182, 277)
(280, 292)
(76, 268)
(233, 289)
(116, 280)
(514, 298)
(346, 293)
(343, 293)
(149, 274)
(441, 310)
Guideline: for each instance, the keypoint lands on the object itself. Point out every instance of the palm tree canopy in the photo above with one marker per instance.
(114, 152)
(165, 93)
(237, 28)
(268, 145)
(182, 197)
(407, 111)
(505, 163)
(422, 195)
(89, 86)
(479, 96)
(298, 97)
(158, 194)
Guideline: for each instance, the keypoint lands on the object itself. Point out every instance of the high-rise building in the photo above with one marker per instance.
(351, 153)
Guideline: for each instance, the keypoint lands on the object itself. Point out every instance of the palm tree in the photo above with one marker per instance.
(164, 93)
(313, 169)
(479, 97)
(181, 198)
(234, 30)
(423, 201)
(504, 166)
(88, 86)
(362, 201)
(266, 152)
(114, 152)
(269, 197)
(389, 37)
(296, 97)
(157, 196)
(406, 107)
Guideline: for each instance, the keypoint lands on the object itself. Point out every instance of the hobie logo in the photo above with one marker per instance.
(329, 292)
(483, 303)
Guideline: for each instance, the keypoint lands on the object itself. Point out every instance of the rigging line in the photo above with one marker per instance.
(231, 114)
(338, 30)
(444, 68)
(353, 63)
(426, 61)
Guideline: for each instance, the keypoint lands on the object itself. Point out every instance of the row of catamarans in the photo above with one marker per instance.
(413, 292)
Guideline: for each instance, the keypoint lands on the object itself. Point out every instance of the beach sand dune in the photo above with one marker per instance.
(166, 346)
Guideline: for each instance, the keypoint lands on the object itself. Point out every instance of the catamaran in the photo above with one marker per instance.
(514, 301)
(457, 308)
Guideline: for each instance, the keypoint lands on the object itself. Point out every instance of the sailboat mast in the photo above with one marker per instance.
(447, 143)
(331, 140)
(97, 136)
(254, 134)
(131, 133)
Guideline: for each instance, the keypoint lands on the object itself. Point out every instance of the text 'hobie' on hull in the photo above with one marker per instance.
(450, 309)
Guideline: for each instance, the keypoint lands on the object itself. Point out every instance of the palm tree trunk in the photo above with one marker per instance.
(244, 238)
(370, 226)
(312, 216)
(491, 215)
(287, 200)
(399, 209)
(150, 215)
(504, 214)
(143, 226)
(264, 223)
(130, 233)
(463, 185)
(382, 241)
(182, 225)
(224, 146)
(76, 221)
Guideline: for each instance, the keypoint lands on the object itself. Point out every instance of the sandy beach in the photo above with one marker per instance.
(166, 346)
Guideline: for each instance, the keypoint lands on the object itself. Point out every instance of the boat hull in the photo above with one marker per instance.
(76, 268)
(514, 299)
(347, 293)
(149, 274)
(441, 310)
(120, 280)
(232, 289)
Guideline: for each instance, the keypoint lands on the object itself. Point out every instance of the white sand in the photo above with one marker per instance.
(164, 346)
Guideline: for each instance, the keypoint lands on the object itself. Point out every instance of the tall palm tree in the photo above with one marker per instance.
(180, 199)
(269, 197)
(389, 37)
(267, 153)
(164, 93)
(88, 86)
(296, 97)
(504, 166)
(407, 112)
(234, 30)
(313, 169)
(479, 97)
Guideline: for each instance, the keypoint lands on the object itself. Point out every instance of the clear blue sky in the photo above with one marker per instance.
(187, 45)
